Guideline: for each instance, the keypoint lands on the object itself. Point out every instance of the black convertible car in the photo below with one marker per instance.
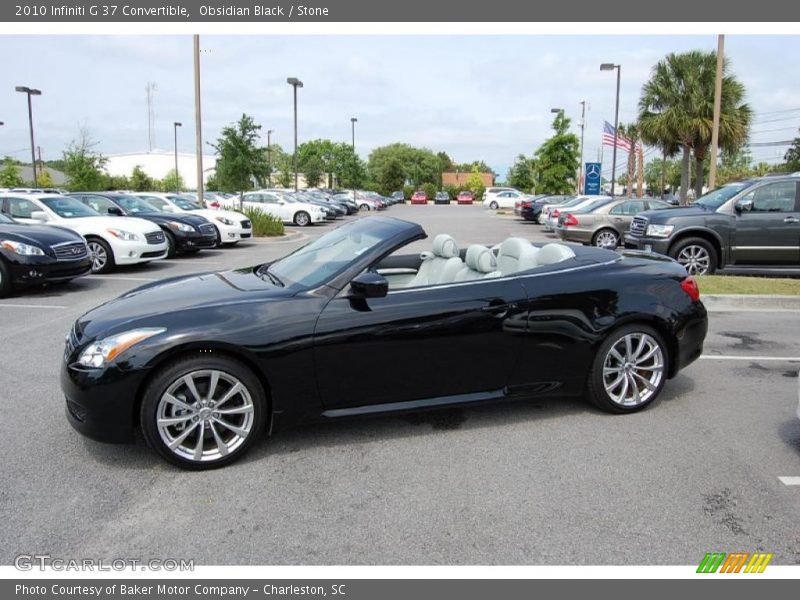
(32, 255)
(206, 363)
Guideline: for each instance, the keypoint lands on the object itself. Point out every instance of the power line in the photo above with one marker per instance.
(778, 112)
(776, 143)
(774, 130)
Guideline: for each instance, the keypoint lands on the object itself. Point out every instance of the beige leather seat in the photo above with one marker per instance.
(553, 253)
(439, 266)
(480, 263)
(516, 254)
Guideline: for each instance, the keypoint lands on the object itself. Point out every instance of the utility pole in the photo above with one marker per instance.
(198, 122)
(150, 90)
(712, 171)
(583, 127)
(269, 156)
(353, 123)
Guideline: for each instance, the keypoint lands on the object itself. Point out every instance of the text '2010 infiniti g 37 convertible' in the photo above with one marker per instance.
(205, 364)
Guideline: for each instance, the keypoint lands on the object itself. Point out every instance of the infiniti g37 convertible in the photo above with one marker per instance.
(204, 364)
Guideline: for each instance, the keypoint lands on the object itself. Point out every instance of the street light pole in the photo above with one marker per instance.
(295, 83)
(269, 156)
(583, 127)
(353, 124)
(31, 92)
(611, 67)
(175, 126)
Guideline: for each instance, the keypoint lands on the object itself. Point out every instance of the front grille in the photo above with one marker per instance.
(246, 224)
(208, 229)
(71, 251)
(245, 235)
(638, 226)
(155, 237)
(155, 254)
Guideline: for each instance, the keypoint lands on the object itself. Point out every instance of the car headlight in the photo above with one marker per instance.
(661, 231)
(21, 249)
(180, 226)
(224, 220)
(127, 236)
(98, 354)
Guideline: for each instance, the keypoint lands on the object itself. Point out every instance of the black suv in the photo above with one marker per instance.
(749, 223)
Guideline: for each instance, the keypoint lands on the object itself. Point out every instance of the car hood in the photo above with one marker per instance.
(90, 225)
(665, 214)
(186, 218)
(42, 235)
(178, 295)
(210, 214)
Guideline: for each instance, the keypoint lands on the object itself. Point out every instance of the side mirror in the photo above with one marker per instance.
(281, 202)
(369, 285)
(116, 211)
(743, 205)
(39, 215)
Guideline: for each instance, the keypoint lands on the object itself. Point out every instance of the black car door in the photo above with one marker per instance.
(768, 225)
(419, 343)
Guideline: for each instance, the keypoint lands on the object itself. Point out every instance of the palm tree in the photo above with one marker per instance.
(633, 134)
(676, 110)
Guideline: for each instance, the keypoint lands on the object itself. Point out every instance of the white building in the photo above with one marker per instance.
(158, 163)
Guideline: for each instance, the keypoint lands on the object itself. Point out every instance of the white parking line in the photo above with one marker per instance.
(119, 278)
(5, 305)
(728, 357)
(789, 480)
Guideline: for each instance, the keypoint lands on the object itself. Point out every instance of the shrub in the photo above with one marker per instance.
(264, 224)
(408, 191)
(430, 190)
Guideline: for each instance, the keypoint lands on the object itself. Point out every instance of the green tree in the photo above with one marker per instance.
(347, 168)
(475, 183)
(676, 110)
(240, 158)
(44, 179)
(522, 174)
(557, 159)
(174, 182)
(391, 178)
(656, 171)
(285, 170)
(420, 165)
(140, 181)
(10, 174)
(83, 165)
(792, 156)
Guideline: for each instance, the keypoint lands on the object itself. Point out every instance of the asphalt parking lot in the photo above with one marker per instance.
(540, 482)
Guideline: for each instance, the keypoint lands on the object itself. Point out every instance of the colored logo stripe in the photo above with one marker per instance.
(711, 562)
(758, 563)
(734, 562)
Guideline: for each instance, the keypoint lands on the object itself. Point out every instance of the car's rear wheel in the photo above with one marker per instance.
(606, 238)
(218, 241)
(363, 207)
(5, 280)
(698, 256)
(302, 219)
(493, 205)
(629, 370)
(102, 255)
(203, 412)
(172, 245)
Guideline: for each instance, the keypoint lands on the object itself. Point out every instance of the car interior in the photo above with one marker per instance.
(446, 263)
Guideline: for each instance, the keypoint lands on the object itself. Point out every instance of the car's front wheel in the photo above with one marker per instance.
(629, 370)
(606, 238)
(493, 205)
(302, 219)
(697, 255)
(5, 280)
(203, 412)
(102, 255)
(364, 207)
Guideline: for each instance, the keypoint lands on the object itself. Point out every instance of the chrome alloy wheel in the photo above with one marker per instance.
(606, 239)
(695, 259)
(633, 369)
(205, 415)
(98, 255)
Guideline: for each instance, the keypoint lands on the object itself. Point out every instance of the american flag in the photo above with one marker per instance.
(608, 137)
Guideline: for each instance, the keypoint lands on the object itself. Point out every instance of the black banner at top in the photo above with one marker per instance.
(338, 11)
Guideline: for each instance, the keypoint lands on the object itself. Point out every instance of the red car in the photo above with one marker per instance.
(419, 197)
(466, 198)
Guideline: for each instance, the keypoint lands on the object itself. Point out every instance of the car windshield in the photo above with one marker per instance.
(158, 203)
(323, 258)
(69, 208)
(594, 204)
(184, 203)
(713, 200)
(133, 205)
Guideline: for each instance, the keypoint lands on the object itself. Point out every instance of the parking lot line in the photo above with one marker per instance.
(6, 305)
(120, 278)
(789, 480)
(730, 357)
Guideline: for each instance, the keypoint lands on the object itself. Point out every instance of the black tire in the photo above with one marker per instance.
(597, 387)
(364, 207)
(493, 205)
(218, 242)
(172, 245)
(192, 250)
(608, 231)
(6, 286)
(171, 374)
(697, 255)
(97, 248)
(302, 219)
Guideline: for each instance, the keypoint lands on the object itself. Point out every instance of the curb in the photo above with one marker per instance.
(287, 237)
(743, 302)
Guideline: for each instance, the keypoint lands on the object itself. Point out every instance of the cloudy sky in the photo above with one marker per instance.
(475, 97)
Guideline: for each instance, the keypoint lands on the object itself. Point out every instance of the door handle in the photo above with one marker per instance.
(791, 220)
(499, 310)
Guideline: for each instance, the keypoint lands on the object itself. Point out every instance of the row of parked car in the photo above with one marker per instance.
(441, 197)
(746, 224)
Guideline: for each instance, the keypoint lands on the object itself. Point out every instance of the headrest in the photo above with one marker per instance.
(480, 258)
(445, 246)
(514, 247)
(553, 253)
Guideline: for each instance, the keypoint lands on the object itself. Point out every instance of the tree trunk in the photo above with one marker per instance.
(699, 159)
(685, 164)
(631, 172)
(641, 171)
